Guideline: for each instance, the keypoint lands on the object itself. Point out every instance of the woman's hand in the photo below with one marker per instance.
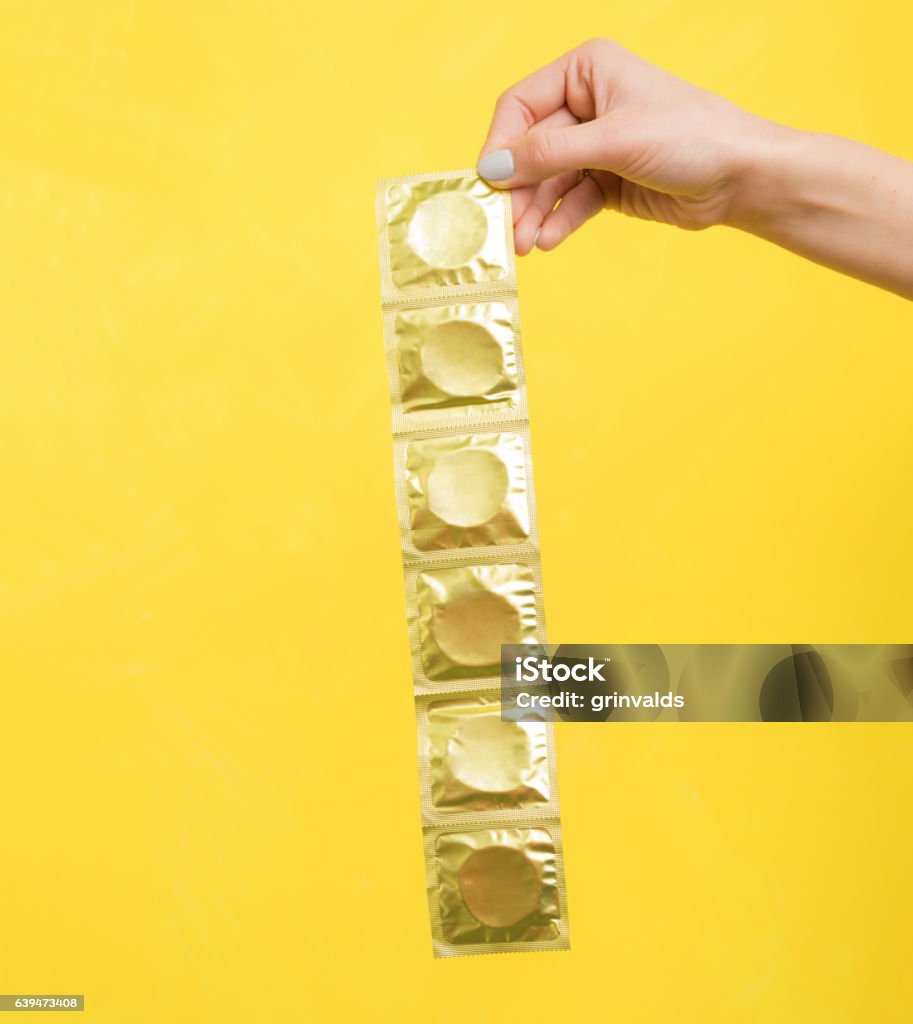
(599, 128)
(655, 146)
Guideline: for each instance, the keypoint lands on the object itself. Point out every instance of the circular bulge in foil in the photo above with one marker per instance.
(467, 487)
(499, 886)
(461, 358)
(489, 755)
(447, 230)
(470, 629)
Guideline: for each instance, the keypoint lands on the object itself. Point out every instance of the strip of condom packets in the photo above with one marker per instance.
(467, 518)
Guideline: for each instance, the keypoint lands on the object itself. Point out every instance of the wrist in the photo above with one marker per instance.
(767, 177)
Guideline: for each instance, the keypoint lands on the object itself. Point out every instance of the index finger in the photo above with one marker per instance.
(525, 104)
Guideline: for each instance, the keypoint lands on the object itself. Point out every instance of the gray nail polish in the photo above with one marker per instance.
(496, 166)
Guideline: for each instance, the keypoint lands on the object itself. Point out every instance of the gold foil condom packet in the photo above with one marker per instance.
(467, 518)
(465, 490)
(456, 357)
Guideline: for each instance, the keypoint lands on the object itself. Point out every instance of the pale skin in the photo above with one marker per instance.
(656, 147)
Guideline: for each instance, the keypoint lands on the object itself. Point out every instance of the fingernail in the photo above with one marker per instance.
(496, 166)
(536, 239)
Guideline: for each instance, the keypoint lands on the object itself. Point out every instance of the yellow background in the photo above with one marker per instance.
(207, 755)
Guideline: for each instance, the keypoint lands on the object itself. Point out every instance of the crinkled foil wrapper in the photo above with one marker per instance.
(467, 612)
(443, 233)
(451, 357)
(479, 762)
(497, 885)
(467, 517)
(467, 491)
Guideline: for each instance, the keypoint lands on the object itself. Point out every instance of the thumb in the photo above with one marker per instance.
(545, 152)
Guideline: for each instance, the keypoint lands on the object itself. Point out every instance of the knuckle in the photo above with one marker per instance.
(606, 53)
(504, 99)
(601, 46)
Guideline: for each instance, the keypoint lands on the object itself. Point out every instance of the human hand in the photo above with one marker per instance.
(650, 145)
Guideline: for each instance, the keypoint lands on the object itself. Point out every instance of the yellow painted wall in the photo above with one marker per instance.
(209, 806)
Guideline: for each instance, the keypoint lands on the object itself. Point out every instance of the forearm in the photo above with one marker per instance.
(837, 202)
